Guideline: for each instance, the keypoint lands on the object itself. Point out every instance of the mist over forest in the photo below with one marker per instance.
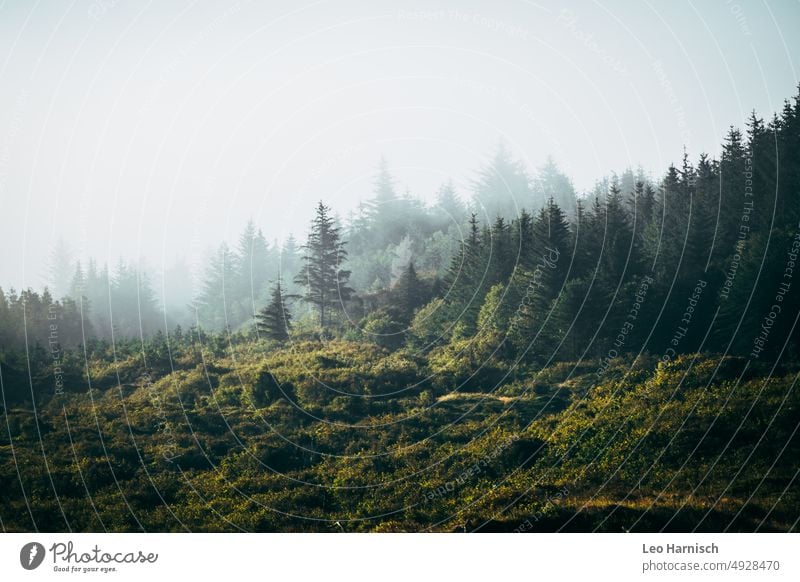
(388, 230)
(460, 258)
(340, 284)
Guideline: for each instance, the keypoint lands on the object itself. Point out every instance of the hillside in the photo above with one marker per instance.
(347, 436)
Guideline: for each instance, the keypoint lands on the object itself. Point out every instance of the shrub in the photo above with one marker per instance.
(383, 329)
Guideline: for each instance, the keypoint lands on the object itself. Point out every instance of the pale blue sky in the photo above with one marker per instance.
(156, 129)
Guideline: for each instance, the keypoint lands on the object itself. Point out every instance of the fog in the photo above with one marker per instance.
(155, 131)
(448, 266)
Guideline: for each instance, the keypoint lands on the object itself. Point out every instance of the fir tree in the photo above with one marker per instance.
(322, 276)
(449, 207)
(251, 266)
(275, 320)
(465, 281)
(384, 212)
(289, 259)
(59, 268)
(409, 293)
(551, 183)
(215, 306)
(502, 188)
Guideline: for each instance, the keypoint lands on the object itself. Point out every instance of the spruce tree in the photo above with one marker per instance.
(60, 269)
(289, 258)
(322, 276)
(539, 287)
(502, 188)
(465, 282)
(449, 208)
(251, 267)
(621, 256)
(522, 240)
(409, 293)
(502, 255)
(384, 212)
(275, 320)
(215, 305)
(551, 183)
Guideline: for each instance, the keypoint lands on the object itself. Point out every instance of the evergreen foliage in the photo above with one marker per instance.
(322, 276)
(275, 319)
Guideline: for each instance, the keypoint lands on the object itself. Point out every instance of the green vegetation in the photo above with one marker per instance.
(303, 437)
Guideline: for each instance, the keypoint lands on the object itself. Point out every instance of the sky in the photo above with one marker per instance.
(154, 130)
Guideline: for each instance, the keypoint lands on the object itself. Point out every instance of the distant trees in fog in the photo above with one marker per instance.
(523, 269)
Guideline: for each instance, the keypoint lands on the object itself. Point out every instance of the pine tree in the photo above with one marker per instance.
(704, 218)
(59, 268)
(384, 188)
(215, 306)
(667, 232)
(551, 183)
(500, 254)
(449, 208)
(134, 306)
(275, 320)
(77, 287)
(409, 293)
(641, 206)
(251, 266)
(382, 212)
(98, 291)
(502, 188)
(465, 281)
(522, 240)
(289, 259)
(761, 153)
(582, 263)
(621, 252)
(538, 289)
(322, 276)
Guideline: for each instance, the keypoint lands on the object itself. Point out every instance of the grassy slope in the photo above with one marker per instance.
(301, 438)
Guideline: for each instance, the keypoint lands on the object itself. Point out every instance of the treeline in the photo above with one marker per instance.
(126, 300)
(702, 260)
(95, 304)
(705, 261)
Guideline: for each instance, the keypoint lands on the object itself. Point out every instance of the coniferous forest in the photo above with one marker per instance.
(516, 356)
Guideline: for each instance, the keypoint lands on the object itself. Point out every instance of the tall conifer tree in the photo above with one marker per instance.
(322, 276)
